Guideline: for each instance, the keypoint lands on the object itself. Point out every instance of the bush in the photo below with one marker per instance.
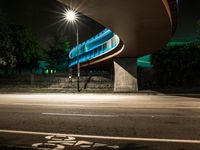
(177, 66)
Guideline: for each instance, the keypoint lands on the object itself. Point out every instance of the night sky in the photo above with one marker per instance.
(43, 17)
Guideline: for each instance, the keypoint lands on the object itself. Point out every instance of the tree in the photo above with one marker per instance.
(58, 52)
(27, 48)
(19, 46)
(198, 34)
(7, 57)
(177, 65)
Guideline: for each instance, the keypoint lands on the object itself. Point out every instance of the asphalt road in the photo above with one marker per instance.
(100, 121)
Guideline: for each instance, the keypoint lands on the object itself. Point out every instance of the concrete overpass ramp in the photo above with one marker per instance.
(133, 28)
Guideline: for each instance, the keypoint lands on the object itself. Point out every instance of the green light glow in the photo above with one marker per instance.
(144, 62)
(47, 71)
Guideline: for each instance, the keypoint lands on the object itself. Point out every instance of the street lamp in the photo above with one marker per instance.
(71, 17)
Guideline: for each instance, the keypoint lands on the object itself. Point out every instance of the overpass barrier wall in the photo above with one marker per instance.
(102, 43)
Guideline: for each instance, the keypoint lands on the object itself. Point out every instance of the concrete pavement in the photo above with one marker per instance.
(100, 121)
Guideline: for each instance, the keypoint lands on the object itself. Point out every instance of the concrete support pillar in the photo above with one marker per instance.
(125, 75)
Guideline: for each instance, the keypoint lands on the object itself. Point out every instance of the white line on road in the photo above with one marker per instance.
(116, 116)
(162, 116)
(80, 115)
(106, 137)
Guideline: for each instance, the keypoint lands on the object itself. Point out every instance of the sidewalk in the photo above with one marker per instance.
(185, 93)
(50, 90)
(65, 90)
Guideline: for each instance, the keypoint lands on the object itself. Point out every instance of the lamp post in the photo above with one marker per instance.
(78, 63)
(71, 17)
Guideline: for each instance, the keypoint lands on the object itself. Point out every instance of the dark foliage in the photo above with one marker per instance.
(26, 46)
(58, 52)
(177, 66)
(7, 58)
(19, 47)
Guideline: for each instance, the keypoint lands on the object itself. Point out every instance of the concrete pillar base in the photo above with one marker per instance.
(125, 75)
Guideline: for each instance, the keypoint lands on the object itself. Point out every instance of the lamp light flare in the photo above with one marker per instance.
(71, 16)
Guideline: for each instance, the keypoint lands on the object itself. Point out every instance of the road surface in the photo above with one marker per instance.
(100, 121)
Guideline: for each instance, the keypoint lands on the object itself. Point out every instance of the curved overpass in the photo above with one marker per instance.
(96, 49)
(142, 27)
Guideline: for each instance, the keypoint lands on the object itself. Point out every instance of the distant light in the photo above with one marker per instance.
(71, 16)
(51, 71)
(47, 71)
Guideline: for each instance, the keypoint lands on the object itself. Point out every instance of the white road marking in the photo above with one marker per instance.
(113, 147)
(60, 138)
(160, 116)
(71, 141)
(121, 115)
(68, 143)
(84, 143)
(107, 137)
(99, 145)
(80, 115)
(49, 145)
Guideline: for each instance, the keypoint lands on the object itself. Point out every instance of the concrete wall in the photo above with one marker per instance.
(58, 81)
(125, 75)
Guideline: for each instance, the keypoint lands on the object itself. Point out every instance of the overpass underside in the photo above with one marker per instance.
(133, 28)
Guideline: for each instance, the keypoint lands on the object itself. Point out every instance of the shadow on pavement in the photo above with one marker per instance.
(187, 95)
(128, 146)
(6, 147)
(131, 146)
(190, 93)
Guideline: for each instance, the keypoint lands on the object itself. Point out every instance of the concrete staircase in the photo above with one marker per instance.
(86, 83)
(58, 81)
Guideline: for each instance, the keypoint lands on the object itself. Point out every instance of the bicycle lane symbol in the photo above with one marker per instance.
(60, 142)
